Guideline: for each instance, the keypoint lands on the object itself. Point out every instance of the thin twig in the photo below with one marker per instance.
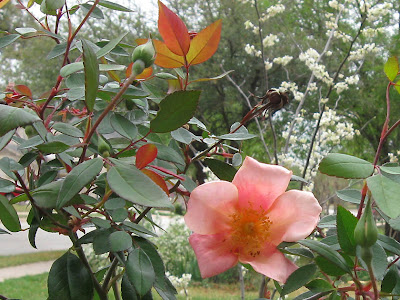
(249, 105)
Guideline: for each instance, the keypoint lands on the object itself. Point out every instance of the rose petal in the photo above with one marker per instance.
(272, 263)
(210, 206)
(213, 253)
(260, 184)
(294, 216)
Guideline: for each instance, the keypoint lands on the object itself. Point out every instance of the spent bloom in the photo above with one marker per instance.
(246, 219)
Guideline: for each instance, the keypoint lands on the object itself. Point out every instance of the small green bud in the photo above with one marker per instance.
(103, 147)
(145, 53)
(366, 232)
(30, 131)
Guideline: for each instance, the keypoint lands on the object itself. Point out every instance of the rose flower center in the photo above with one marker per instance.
(250, 230)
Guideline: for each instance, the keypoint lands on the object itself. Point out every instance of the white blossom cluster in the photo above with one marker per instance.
(334, 129)
(268, 65)
(360, 53)
(283, 60)
(372, 32)
(272, 11)
(340, 87)
(251, 50)
(310, 58)
(293, 88)
(182, 283)
(394, 158)
(378, 11)
(335, 5)
(270, 40)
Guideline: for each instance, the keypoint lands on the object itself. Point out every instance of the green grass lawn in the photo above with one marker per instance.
(35, 288)
(16, 260)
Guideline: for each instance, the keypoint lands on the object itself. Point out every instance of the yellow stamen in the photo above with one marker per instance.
(250, 230)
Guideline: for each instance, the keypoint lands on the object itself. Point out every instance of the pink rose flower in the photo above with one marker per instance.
(244, 221)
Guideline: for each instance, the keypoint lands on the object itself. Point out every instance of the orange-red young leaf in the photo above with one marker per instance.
(157, 179)
(204, 44)
(23, 90)
(145, 155)
(173, 31)
(164, 57)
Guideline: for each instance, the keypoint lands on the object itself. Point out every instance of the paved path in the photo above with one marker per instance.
(23, 270)
(18, 243)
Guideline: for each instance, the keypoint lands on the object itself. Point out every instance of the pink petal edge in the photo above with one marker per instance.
(213, 256)
(272, 263)
(294, 215)
(260, 184)
(210, 206)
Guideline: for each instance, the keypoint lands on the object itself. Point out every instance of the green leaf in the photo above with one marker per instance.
(68, 129)
(350, 195)
(114, 6)
(5, 139)
(123, 126)
(345, 166)
(53, 147)
(299, 278)
(69, 279)
(58, 50)
(175, 110)
(390, 280)
(237, 136)
(184, 136)
(391, 68)
(395, 170)
(120, 241)
(101, 241)
(6, 186)
(319, 285)
(8, 215)
(346, 223)
(386, 194)
(327, 267)
(96, 13)
(389, 244)
(102, 223)
(128, 291)
(132, 185)
(110, 45)
(155, 259)
(46, 195)
(327, 252)
(299, 252)
(221, 169)
(8, 39)
(13, 117)
(25, 30)
(77, 179)
(140, 271)
(8, 166)
(91, 67)
(328, 221)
